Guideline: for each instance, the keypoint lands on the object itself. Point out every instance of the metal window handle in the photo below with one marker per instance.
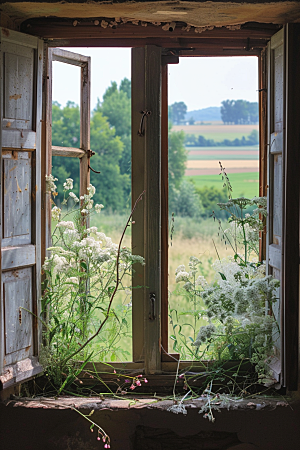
(152, 306)
(90, 153)
(145, 113)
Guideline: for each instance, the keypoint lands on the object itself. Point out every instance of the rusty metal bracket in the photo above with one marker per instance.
(90, 153)
(141, 131)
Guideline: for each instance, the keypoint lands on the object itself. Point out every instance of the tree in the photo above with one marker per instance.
(177, 112)
(239, 111)
(116, 106)
(177, 157)
(66, 133)
(112, 186)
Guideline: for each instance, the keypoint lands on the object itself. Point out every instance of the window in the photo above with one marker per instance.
(149, 83)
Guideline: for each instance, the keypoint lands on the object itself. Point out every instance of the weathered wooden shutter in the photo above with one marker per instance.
(21, 108)
(283, 195)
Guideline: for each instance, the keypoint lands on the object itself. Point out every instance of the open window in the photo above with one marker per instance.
(23, 239)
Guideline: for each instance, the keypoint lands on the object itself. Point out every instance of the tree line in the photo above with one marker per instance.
(232, 112)
(239, 112)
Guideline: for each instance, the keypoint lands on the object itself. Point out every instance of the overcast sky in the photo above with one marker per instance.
(199, 82)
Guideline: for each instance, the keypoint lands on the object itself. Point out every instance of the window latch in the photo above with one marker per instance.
(90, 153)
(152, 306)
(145, 113)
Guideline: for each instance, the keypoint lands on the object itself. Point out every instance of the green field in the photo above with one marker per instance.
(243, 184)
(222, 157)
(216, 131)
(224, 149)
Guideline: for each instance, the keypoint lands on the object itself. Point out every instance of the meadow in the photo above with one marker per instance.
(190, 238)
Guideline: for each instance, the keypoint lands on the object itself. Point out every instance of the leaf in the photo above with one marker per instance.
(222, 276)
(83, 265)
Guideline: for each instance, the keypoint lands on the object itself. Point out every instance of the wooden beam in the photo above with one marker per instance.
(137, 187)
(53, 28)
(164, 209)
(69, 152)
(152, 136)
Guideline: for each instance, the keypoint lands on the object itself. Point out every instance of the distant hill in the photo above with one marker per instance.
(206, 114)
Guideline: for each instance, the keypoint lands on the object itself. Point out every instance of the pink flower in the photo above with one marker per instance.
(127, 381)
(138, 383)
(139, 376)
(132, 387)
(115, 371)
(106, 446)
(98, 438)
(145, 380)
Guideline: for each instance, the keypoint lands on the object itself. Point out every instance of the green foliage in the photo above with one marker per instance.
(116, 107)
(177, 112)
(177, 158)
(185, 202)
(210, 197)
(112, 186)
(239, 111)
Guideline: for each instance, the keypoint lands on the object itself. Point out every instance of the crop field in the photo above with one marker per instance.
(217, 131)
(243, 184)
(222, 153)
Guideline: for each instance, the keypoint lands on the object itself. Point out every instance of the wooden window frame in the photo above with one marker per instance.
(209, 46)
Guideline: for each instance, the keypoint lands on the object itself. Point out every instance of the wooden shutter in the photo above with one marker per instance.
(283, 195)
(21, 108)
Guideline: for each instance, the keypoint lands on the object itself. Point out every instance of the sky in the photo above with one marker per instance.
(198, 82)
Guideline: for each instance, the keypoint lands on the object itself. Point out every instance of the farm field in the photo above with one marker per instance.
(217, 131)
(243, 184)
(222, 153)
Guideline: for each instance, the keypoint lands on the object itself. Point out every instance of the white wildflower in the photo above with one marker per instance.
(68, 184)
(69, 224)
(91, 190)
(89, 204)
(204, 334)
(180, 268)
(55, 213)
(84, 211)
(74, 197)
(182, 276)
(50, 183)
(98, 207)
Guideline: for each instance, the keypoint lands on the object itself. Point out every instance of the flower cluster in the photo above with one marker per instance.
(237, 305)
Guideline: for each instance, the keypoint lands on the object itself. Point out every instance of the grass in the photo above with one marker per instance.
(243, 184)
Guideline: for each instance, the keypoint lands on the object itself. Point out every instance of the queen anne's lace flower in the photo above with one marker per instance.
(55, 213)
(98, 207)
(68, 184)
(50, 183)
